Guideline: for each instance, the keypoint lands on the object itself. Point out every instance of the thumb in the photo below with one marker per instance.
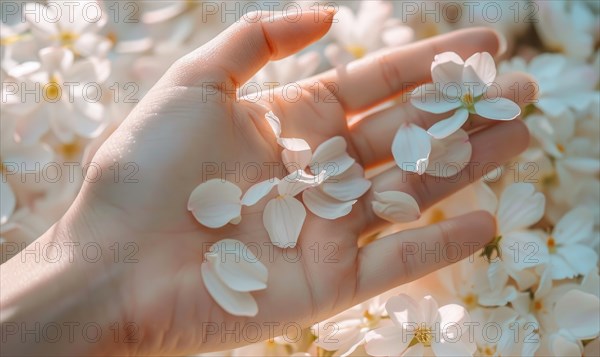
(235, 55)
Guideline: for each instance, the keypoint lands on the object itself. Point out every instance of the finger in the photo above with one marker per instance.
(408, 255)
(492, 147)
(372, 136)
(366, 82)
(236, 54)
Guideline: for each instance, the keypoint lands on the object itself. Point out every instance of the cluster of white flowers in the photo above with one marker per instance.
(72, 71)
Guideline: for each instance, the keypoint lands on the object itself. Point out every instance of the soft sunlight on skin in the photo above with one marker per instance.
(230, 192)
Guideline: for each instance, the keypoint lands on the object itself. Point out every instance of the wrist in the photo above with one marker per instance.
(61, 295)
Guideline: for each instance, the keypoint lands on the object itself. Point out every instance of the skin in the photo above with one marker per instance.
(158, 302)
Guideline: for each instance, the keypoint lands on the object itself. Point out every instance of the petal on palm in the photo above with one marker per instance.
(234, 302)
(324, 205)
(257, 192)
(283, 219)
(396, 206)
(298, 181)
(350, 185)
(331, 155)
(411, 148)
(429, 98)
(236, 266)
(497, 108)
(296, 153)
(449, 126)
(449, 155)
(8, 201)
(274, 123)
(215, 203)
(578, 313)
(519, 207)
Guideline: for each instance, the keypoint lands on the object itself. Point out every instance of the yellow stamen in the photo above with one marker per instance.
(437, 215)
(67, 38)
(69, 150)
(424, 335)
(551, 243)
(52, 90)
(560, 148)
(9, 40)
(357, 51)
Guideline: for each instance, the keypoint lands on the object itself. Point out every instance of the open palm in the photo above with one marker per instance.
(191, 127)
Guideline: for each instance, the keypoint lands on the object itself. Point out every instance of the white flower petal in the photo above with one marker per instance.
(520, 207)
(215, 202)
(8, 201)
(449, 126)
(258, 191)
(386, 341)
(296, 153)
(479, 71)
(449, 155)
(428, 98)
(236, 266)
(497, 108)
(234, 302)
(274, 123)
(396, 206)
(30, 128)
(283, 218)
(447, 68)
(331, 155)
(298, 181)
(563, 347)
(403, 310)
(575, 226)
(580, 259)
(578, 313)
(324, 205)
(429, 309)
(411, 148)
(348, 186)
(520, 250)
(452, 349)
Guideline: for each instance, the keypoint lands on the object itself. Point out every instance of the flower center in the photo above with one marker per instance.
(423, 335)
(488, 351)
(437, 216)
(371, 320)
(469, 101)
(560, 148)
(470, 300)
(69, 150)
(551, 243)
(537, 305)
(67, 38)
(357, 51)
(51, 90)
(491, 248)
(9, 40)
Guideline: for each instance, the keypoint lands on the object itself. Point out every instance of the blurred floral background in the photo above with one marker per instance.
(546, 201)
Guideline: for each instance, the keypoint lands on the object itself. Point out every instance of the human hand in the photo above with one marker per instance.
(193, 117)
